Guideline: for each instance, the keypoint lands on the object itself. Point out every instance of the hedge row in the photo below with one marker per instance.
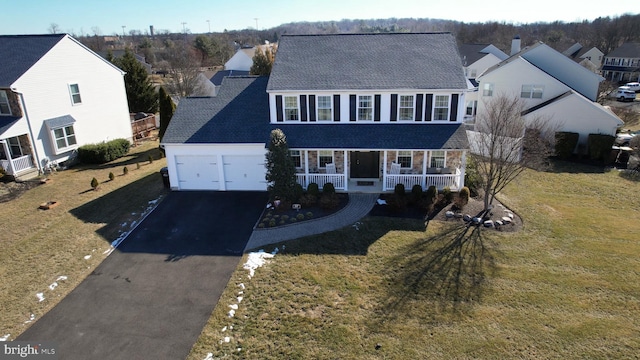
(566, 142)
(103, 152)
(599, 146)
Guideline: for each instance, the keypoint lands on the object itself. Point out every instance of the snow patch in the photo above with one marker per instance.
(31, 318)
(87, 257)
(53, 286)
(5, 337)
(40, 297)
(256, 260)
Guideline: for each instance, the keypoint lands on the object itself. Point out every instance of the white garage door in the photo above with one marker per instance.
(244, 172)
(197, 172)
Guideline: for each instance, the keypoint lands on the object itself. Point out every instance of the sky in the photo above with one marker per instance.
(108, 17)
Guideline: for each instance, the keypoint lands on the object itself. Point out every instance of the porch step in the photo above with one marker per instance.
(27, 175)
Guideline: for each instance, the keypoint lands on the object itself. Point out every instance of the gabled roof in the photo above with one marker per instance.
(367, 62)
(6, 122)
(626, 50)
(240, 114)
(471, 53)
(217, 78)
(18, 53)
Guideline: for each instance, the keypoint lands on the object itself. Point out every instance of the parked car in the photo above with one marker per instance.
(625, 94)
(633, 86)
(625, 138)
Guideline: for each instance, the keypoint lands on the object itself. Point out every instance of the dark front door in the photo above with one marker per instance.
(365, 165)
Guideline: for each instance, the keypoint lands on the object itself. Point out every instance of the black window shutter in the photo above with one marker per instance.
(279, 114)
(428, 107)
(393, 116)
(454, 108)
(352, 108)
(336, 107)
(376, 107)
(418, 116)
(303, 107)
(312, 108)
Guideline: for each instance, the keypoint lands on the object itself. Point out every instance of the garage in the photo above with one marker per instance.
(197, 172)
(244, 172)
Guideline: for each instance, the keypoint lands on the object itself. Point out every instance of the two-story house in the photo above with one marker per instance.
(361, 111)
(554, 89)
(55, 95)
(623, 63)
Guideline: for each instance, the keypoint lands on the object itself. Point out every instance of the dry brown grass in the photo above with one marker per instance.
(71, 239)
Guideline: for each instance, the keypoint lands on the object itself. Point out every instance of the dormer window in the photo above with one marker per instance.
(291, 112)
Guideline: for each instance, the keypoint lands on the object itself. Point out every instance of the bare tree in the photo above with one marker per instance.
(504, 143)
(54, 28)
(183, 71)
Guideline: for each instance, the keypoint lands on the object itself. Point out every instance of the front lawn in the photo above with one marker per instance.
(564, 286)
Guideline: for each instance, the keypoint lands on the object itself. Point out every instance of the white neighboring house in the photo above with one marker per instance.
(55, 95)
(588, 58)
(242, 60)
(553, 87)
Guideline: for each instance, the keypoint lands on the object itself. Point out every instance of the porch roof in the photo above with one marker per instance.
(6, 122)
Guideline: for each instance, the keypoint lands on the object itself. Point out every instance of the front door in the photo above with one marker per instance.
(365, 164)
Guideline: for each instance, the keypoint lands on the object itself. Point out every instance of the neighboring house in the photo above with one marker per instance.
(242, 60)
(55, 95)
(588, 58)
(623, 64)
(216, 79)
(476, 58)
(361, 111)
(119, 53)
(553, 88)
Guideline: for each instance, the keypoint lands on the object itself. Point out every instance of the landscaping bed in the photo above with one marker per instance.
(285, 214)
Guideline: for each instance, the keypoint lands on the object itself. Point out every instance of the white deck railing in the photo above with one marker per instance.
(17, 165)
(440, 181)
(338, 180)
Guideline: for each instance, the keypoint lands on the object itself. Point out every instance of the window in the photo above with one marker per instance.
(5, 109)
(297, 158)
(487, 89)
(324, 108)
(325, 157)
(15, 147)
(531, 91)
(441, 107)
(74, 89)
(405, 107)
(471, 108)
(405, 159)
(291, 108)
(437, 159)
(365, 107)
(64, 137)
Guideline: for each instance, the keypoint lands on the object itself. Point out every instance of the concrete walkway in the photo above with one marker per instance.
(358, 207)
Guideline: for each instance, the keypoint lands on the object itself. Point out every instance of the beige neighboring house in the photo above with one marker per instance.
(242, 60)
(588, 58)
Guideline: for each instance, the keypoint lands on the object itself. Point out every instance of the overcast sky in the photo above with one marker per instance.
(109, 16)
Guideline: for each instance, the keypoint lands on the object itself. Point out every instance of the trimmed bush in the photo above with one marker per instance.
(398, 190)
(103, 152)
(125, 170)
(313, 189)
(566, 142)
(137, 166)
(416, 194)
(328, 189)
(94, 183)
(111, 176)
(432, 194)
(447, 194)
(297, 192)
(599, 146)
(464, 195)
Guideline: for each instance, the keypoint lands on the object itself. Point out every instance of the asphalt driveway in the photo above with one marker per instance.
(152, 296)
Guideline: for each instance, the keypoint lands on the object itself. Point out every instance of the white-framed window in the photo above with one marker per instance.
(324, 108)
(325, 157)
(437, 159)
(64, 137)
(406, 107)
(74, 90)
(296, 156)
(15, 147)
(441, 107)
(291, 111)
(5, 109)
(405, 159)
(365, 107)
(471, 107)
(532, 91)
(487, 89)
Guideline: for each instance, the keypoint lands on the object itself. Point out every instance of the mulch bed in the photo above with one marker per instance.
(288, 213)
(10, 190)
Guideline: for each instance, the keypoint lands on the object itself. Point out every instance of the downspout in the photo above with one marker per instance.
(33, 142)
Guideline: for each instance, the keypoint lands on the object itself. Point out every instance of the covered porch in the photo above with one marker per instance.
(16, 156)
(380, 170)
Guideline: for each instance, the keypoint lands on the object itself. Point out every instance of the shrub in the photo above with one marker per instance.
(328, 189)
(308, 200)
(447, 194)
(138, 166)
(111, 176)
(432, 194)
(2, 172)
(329, 201)
(103, 152)
(293, 220)
(125, 171)
(94, 183)
(300, 216)
(261, 225)
(309, 215)
(272, 222)
(398, 190)
(566, 142)
(285, 217)
(416, 194)
(463, 196)
(313, 189)
(396, 203)
(599, 146)
(150, 159)
(297, 192)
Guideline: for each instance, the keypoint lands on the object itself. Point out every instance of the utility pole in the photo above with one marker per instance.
(184, 30)
(256, 19)
(209, 23)
(123, 26)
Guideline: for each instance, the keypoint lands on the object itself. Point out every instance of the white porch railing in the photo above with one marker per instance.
(338, 180)
(18, 164)
(440, 181)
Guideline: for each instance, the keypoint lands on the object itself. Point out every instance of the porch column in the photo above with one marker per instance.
(346, 179)
(5, 146)
(306, 168)
(463, 169)
(424, 170)
(384, 172)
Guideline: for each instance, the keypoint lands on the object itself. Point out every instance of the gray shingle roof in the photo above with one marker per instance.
(18, 53)
(240, 114)
(626, 50)
(367, 61)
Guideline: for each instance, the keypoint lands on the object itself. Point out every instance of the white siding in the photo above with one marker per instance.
(239, 61)
(103, 114)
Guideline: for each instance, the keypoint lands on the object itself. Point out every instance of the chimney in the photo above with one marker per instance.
(515, 45)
